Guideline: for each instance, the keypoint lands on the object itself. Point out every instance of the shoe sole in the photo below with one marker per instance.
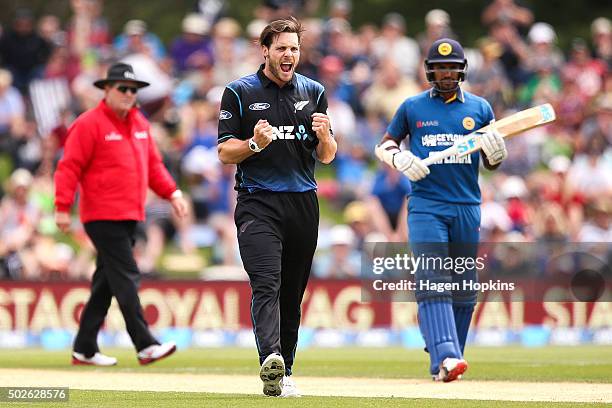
(456, 372)
(271, 373)
(146, 361)
(76, 361)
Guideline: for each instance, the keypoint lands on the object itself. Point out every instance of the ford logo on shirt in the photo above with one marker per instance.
(223, 115)
(259, 106)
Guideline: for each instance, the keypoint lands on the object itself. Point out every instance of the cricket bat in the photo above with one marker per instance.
(508, 126)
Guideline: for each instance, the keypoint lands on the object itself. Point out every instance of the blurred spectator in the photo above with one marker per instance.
(514, 51)
(154, 99)
(507, 11)
(229, 51)
(598, 227)
(550, 224)
(389, 90)
(342, 261)
(585, 71)
(137, 39)
(542, 49)
(394, 43)
(23, 51)
(12, 111)
(19, 218)
(598, 125)
(388, 204)
(332, 75)
(87, 30)
(193, 48)
(513, 189)
(590, 171)
(49, 28)
(437, 25)
(160, 227)
(494, 218)
(357, 216)
(310, 48)
(489, 80)
(601, 32)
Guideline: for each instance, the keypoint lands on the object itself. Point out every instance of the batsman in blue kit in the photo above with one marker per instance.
(444, 206)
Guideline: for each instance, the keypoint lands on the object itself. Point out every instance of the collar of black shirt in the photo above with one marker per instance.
(267, 82)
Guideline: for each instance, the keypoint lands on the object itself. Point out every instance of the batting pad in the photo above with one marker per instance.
(437, 324)
(463, 317)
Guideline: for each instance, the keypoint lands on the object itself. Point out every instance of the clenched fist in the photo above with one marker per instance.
(262, 133)
(320, 125)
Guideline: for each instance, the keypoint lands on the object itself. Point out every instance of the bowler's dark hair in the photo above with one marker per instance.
(272, 30)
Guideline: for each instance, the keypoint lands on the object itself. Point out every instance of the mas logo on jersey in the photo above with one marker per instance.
(259, 106)
(445, 48)
(223, 115)
(425, 123)
(469, 123)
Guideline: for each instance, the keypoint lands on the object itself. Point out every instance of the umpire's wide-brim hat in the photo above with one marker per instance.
(120, 72)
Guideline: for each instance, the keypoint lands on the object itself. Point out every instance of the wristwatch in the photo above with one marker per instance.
(253, 146)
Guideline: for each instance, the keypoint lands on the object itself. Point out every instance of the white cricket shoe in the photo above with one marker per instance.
(290, 390)
(97, 359)
(271, 373)
(452, 369)
(156, 352)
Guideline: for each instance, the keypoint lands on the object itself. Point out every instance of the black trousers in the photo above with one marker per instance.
(116, 275)
(277, 235)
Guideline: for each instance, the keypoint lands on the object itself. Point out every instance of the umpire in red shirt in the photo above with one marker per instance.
(111, 155)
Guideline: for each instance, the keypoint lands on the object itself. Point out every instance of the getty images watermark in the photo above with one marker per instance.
(506, 271)
(441, 266)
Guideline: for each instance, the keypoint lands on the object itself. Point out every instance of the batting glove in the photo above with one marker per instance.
(410, 165)
(493, 145)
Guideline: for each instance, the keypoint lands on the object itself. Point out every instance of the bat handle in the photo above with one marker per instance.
(437, 156)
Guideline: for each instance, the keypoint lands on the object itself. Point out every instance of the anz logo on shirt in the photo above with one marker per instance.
(290, 133)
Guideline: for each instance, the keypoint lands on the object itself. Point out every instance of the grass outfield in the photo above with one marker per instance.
(570, 364)
(176, 399)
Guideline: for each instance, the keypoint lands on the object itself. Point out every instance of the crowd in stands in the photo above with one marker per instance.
(556, 185)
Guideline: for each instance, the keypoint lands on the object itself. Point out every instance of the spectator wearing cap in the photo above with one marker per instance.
(193, 48)
(136, 38)
(229, 50)
(111, 155)
(393, 43)
(23, 51)
(598, 227)
(601, 34)
(342, 261)
(543, 52)
(437, 25)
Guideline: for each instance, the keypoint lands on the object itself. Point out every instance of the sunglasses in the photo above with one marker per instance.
(124, 88)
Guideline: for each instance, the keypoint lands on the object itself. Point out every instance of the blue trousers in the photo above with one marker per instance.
(443, 230)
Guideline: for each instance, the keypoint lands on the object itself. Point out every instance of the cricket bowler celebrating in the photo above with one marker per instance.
(444, 206)
(273, 124)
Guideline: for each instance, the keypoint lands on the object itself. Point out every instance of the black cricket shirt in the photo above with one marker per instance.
(287, 164)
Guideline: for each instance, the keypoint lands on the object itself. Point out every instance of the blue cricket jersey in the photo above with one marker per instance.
(432, 125)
